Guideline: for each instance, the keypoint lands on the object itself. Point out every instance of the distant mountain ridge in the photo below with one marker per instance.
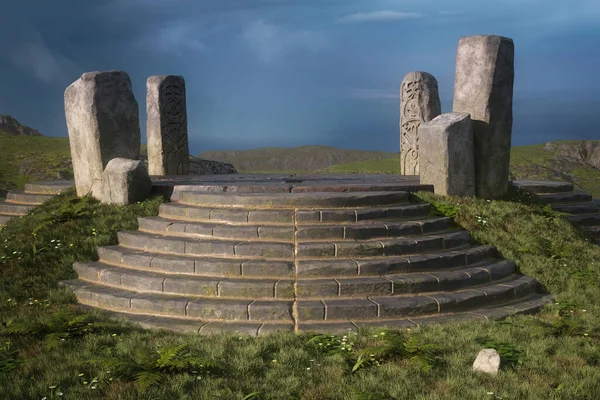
(304, 158)
(11, 127)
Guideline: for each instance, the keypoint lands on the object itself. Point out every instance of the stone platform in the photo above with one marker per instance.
(255, 254)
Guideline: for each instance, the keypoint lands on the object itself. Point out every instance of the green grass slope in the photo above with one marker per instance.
(555, 161)
(50, 349)
(291, 160)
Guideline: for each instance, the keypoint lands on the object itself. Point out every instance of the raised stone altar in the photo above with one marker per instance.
(255, 254)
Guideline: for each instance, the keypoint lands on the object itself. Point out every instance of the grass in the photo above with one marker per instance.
(552, 355)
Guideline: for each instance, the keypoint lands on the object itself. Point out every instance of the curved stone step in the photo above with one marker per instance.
(382, 247)
(14, 209)
(224, 268)
(347, 309)
(190, 265)
(383, 307)
(293, 200)
(48, 187)
(278, 250)
(543, 186)
(575, 196)
(21, 197)
(585, 219)
(527, 305)
(578, 208)
(218, 248)
(185, 285)
(207, 214)
(210, 309)
(166, 226)
(593, 230)
(5, 218)
(269, 288)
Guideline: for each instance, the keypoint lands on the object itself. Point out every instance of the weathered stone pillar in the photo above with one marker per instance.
(125, 182)
(166, 126)
(103, 123)
(419, 102)
(446, 159)
(483, 87)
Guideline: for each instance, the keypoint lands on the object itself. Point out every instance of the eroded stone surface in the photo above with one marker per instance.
(166, 126)
(419, 102)
(103, 123)
(124, 182)
(447, 160)
(483, 87)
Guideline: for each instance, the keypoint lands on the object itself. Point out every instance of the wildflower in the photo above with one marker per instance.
(308, 369)
(274, 361)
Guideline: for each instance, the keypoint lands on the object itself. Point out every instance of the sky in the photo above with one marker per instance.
(285, 73)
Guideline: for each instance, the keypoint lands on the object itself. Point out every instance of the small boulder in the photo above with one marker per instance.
(488, 361)
(124, 181)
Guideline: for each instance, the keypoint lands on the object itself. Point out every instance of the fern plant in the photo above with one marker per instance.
(73, 208)
(59, 326)
(8, 358)
(510, 355)
(147, 369)
(394, 345)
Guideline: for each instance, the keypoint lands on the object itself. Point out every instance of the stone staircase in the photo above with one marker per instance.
(19, 202)
(258, 260)
(562, 197)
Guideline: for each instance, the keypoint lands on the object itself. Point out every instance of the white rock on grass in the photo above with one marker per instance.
(488, 361)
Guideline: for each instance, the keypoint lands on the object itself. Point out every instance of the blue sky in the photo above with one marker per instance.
(290, 73)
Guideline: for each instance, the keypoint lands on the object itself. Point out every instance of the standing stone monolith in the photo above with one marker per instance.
(166, 126)
(419, 102)
(483, 87)
(446, 159)
(103, 123)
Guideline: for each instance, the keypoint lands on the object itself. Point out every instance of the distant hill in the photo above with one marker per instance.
(31, 157)
(11, 127)
(297, 159)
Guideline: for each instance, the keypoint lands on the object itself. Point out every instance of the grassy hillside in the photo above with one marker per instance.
(292, 160)
(24, 159)
(50, 349)
(554, 161)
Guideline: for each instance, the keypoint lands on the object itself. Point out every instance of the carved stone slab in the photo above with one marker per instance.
(166, 125)
(103, 123)
(483, 87)
(419, 102)
(446, 160)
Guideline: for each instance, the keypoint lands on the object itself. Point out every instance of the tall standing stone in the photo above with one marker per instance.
(166, 126)
(419, 102)
(103, 123)
(483, 87)
(446, 160)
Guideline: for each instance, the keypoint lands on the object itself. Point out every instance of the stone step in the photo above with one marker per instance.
(293, 200)
(14, 209)
(211, 309)
(21, 197)
(543, 186)
(269, 288)
(277, 250)
(48, 187)
(575, 196)
(383, 307)
(5, 218)
(585, 219)
(593, 230)
(264, 217)
(308, 311)
(577, 208)
(526, 305)
(226, 268)
(371, 230)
